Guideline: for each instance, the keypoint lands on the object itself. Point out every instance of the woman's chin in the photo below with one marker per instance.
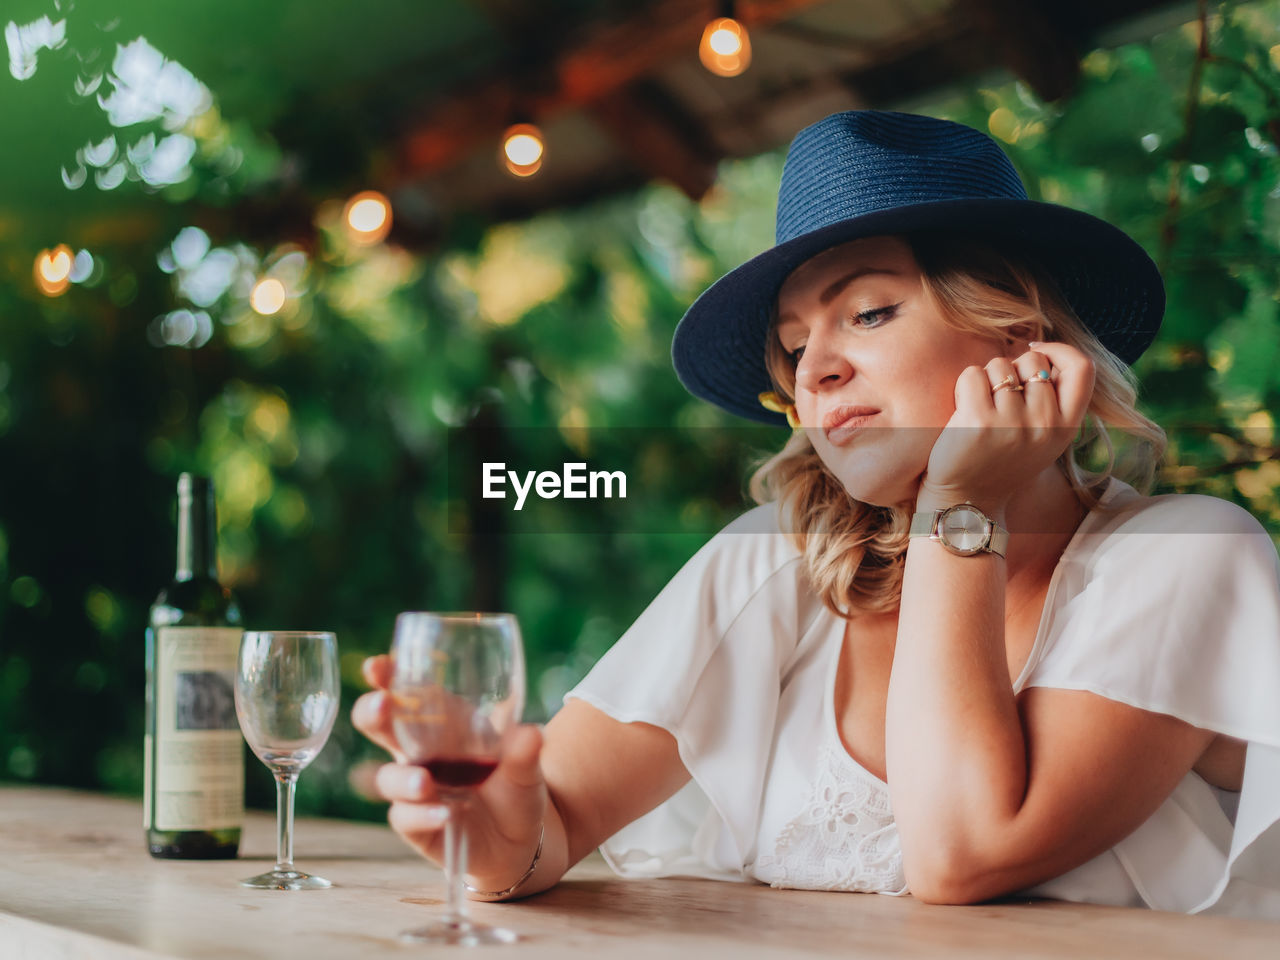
(870, 477)
(879, 494)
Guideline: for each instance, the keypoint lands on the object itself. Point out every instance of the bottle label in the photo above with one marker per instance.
(199, 752)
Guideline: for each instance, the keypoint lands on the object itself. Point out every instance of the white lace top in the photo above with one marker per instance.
(828, 824)
(1169, 604)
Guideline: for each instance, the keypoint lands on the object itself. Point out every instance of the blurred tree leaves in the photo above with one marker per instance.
(327, 426)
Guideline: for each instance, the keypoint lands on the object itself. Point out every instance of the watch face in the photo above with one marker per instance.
(964, 529)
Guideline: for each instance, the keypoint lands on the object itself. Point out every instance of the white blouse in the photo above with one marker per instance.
(1170, 604)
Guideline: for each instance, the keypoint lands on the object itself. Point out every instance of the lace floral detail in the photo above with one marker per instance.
(845, 838)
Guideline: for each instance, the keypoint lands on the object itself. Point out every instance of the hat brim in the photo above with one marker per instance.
(1105, 276)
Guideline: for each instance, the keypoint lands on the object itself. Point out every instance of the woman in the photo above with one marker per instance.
(941, 657)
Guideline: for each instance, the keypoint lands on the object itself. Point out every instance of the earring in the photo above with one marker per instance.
(775, 404)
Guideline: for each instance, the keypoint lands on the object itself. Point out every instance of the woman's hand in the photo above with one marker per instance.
(505, 817)
(997, 442)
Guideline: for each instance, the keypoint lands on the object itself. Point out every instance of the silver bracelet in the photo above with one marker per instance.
(533, 865)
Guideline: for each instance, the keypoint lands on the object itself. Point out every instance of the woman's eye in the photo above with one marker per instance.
(874, 318)
(866, 319)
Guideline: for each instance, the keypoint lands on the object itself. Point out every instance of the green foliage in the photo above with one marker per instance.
(1183, 156)
(329, 425)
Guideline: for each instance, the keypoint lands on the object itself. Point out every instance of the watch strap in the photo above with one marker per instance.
(924, 523)
(999, 542)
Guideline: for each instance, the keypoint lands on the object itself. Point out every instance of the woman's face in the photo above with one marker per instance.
(875, 365)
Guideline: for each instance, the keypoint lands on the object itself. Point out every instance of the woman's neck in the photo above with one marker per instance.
(1042, 520)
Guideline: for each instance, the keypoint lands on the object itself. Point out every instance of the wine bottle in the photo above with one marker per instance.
(194, 754)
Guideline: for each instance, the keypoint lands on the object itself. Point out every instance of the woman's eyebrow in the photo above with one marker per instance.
(833, 289)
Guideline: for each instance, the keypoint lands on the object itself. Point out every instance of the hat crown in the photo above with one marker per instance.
(861, 161)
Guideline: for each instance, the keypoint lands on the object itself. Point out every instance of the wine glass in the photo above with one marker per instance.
(457, 688)
(286, 701)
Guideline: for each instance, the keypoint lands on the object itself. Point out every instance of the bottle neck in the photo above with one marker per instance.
(197, 532)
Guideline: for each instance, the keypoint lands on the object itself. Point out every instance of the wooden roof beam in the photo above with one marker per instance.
(658, 136)
(610, 58)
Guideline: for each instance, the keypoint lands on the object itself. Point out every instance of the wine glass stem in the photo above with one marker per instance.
(284, 820)
(455, 865)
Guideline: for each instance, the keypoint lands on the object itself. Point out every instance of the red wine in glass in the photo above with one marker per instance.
(460, 772)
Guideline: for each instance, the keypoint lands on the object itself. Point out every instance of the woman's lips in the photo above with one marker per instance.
(842, 424)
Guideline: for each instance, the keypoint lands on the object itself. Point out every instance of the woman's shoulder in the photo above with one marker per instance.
(1171, 606)
(1125, 511)
(1171, 543)
(735, 613)
(756, 539)
(750, 559)
(750, 564)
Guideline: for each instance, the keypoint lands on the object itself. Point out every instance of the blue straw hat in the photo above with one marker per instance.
(867, 173)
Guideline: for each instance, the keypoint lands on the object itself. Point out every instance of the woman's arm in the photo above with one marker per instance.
(989, 799)
(603, 774)
(993, 796)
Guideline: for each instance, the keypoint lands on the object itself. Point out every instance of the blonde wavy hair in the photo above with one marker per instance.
(854, 551)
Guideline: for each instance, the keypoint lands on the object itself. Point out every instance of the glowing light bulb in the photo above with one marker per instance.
(53, 270)
(268, 296)
(724, 42)
(725, 49)
(368, 217)
(522, 149)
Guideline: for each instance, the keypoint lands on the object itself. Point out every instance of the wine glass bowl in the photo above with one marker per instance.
(457, 689)
(442, 732)
(286, 692)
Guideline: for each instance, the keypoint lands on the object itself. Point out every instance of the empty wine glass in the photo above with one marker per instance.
(286, 701)
(457, 688)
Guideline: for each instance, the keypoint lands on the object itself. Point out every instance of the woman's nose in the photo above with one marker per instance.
(822, 365)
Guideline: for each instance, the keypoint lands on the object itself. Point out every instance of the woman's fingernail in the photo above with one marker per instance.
(360, 713)
(1035, 343)
(435, 815)
(418, 781)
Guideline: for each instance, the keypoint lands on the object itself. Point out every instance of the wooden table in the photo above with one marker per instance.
(77, 884)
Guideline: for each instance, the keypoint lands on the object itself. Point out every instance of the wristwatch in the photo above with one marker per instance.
(963, 529)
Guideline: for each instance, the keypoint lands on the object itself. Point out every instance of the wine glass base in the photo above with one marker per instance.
(286, 880)
(459, 933)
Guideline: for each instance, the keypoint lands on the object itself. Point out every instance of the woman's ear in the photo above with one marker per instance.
(1019, 335)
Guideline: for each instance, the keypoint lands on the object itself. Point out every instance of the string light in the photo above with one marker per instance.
(53, 270)
(522, 149)
(368, 217)
(268, 296)
(725, 49)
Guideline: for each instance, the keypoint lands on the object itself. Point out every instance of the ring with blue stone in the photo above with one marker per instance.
(1040, 376)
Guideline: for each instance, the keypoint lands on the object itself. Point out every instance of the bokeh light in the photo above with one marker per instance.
(725, 42)
(82, 268)
(368, 217)
(268, 296)
(53, 270)
(522, 149)
(725, 49)
(191, 329)
(26, 41)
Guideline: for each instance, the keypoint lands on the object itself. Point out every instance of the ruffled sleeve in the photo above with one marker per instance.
(1172, 605)
(705, 661)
